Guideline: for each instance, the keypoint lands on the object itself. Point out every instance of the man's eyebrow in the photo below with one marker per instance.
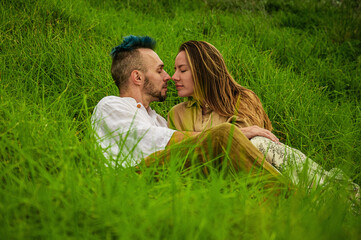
(161, 65)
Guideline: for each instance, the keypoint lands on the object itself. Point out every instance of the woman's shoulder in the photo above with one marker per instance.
(249, 92)
(181, 107)
(250, 96)
(177, 114)
(182, 104)
(182, 110)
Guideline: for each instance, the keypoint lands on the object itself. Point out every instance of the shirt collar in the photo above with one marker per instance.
(192, 103)
(138, 104)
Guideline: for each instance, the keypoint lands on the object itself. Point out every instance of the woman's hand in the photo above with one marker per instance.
(253, 131)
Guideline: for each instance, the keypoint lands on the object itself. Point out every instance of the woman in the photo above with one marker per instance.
(214, 97)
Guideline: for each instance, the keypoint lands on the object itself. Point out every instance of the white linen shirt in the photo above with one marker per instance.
(127, 131)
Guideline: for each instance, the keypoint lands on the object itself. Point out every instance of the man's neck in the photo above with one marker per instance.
(139, 98)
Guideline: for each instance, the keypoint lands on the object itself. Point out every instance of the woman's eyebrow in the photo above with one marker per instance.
(182, 65)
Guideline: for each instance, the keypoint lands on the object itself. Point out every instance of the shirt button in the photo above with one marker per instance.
(138, 106)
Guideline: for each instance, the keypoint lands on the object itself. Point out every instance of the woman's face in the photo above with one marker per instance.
(183, 76)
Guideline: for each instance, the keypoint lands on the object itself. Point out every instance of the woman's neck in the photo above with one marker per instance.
(205, 109)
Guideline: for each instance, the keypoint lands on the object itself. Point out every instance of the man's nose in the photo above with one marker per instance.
(167, 77)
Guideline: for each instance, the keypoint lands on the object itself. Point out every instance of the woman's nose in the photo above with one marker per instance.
(175, 77)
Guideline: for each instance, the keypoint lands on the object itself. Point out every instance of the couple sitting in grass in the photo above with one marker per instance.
(222, 124)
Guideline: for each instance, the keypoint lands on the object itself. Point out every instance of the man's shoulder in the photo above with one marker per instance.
(115, 102)
(111, 99)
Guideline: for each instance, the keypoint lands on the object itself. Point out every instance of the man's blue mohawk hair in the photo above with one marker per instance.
(133, 42)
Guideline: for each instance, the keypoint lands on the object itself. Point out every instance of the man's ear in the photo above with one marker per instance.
(137, 77)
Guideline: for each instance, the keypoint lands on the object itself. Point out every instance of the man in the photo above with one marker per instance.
(131, 132)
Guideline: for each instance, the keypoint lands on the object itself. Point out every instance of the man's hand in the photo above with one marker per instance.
(253, 131)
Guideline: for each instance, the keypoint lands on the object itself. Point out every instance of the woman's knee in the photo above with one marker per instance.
(223, 133)
(223, 129)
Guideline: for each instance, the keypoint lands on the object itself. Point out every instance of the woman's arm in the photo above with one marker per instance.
(254, 131)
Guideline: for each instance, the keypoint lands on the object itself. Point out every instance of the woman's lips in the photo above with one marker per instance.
(178, 86)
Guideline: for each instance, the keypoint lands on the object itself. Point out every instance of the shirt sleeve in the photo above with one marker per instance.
(129, 133)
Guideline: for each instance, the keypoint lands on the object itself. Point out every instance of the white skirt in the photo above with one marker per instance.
(301, 169)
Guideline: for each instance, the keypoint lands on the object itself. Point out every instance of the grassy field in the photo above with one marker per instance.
(302, 58)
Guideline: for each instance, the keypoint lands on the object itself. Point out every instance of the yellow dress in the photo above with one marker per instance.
(188, 116)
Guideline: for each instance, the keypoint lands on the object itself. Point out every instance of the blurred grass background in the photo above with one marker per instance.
(302, 58)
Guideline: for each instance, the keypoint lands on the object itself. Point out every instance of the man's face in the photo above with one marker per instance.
(155, 83)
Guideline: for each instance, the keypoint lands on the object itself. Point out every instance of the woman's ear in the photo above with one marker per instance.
(137, 77)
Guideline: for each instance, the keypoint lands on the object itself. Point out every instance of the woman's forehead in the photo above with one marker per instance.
(181, 58)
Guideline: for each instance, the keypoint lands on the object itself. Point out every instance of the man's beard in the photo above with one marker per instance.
(150, 89)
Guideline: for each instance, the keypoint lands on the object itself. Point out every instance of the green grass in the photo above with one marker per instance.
(303, 58)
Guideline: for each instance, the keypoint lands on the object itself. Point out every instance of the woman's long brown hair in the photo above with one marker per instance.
(214, 85)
